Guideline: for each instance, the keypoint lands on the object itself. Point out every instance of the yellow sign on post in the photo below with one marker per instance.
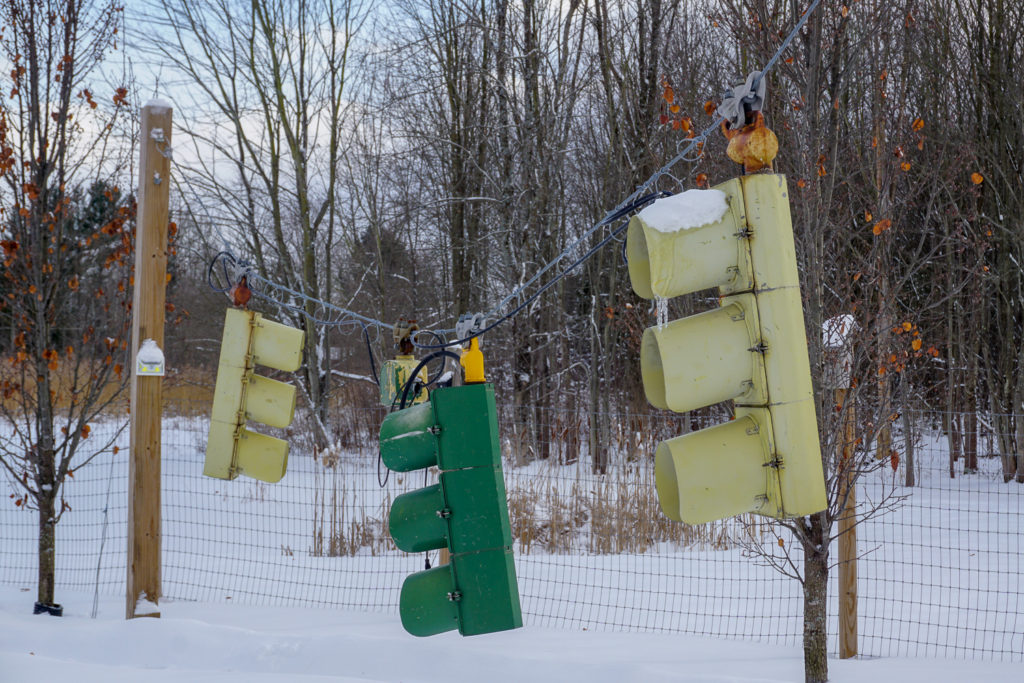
(241, 395)
(752, 350)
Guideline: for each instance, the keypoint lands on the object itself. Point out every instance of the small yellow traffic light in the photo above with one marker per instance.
(240, 395)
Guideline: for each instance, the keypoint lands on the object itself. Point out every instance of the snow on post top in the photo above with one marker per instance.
(686, 210)
(157, 103)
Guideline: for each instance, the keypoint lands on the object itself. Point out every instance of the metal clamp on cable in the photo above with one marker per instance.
(739, 104)
(469, 325)
(751, 142)
(472, 360)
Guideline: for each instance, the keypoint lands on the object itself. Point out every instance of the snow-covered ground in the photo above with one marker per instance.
(201, 643)
(937, 579)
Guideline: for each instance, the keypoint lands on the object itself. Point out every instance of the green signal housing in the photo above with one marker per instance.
(465, 512)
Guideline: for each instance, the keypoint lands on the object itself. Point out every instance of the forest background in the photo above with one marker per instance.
(423, 159)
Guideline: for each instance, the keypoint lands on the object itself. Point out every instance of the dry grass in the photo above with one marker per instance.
(337, 530)
(592, 514)
(607, 514)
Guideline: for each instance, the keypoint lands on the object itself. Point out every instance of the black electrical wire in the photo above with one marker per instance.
(227, 276)
(412, 378)
(369, 352)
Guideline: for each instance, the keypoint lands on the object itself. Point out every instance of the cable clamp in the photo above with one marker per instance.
(743, 100)
(775, 463)
(759, 347)
(444, 513)
(435, 430)
(469, 325)
(455, 596)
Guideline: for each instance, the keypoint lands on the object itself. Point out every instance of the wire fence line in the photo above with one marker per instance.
(939, 576)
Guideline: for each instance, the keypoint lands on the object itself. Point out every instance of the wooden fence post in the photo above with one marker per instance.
(847, 534)
(148, 299)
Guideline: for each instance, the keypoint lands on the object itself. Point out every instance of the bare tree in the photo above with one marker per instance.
(67, 241)
(269, 82)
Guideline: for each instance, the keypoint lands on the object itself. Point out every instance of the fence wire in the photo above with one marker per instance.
(938, 577)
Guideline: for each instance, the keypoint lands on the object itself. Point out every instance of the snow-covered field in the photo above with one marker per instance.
(243, 564)
(199, 643)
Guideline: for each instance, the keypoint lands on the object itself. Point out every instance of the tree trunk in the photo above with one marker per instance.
(908, 448)
(47, 548)
(816, 602)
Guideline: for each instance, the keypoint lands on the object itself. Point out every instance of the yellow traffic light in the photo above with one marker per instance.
(240, 395)
(751, 350)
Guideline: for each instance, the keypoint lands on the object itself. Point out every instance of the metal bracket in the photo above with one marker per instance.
(435, 430)
(444, 513)
(743, 100)
(759, 347)
(469, 325)
(455, 596)
(775, 463)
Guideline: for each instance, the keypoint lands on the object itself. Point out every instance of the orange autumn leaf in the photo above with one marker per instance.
(844, 11)
(918, 124)
(977, 178)
(801, 183)
(907, 327)
(85, 431)
(710, 107)
(674, 109)
(73, 284)
(905, 166)
(867, 216)
(916, 345)
(821, 171)
(881, 226)
(702, 180)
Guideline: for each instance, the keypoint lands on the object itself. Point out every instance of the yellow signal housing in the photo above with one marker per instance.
(752, 350)
(394, 374)
(241, 396)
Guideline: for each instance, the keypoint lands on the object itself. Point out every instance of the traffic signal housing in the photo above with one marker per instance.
(465, 512)
(241, 396)
(752, 350)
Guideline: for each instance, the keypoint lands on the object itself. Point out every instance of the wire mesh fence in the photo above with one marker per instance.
(937, 577)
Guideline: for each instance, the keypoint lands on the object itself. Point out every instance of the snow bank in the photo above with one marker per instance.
(686, 210)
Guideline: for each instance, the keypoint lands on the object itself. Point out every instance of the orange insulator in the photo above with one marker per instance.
(753, 145)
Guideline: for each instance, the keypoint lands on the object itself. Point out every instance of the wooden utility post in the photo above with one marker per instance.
(148, 299)
(847, 533)
(838, 376)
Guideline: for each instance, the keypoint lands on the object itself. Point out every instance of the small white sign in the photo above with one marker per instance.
(149, 360)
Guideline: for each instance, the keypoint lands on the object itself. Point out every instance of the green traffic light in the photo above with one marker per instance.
(465, 512)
